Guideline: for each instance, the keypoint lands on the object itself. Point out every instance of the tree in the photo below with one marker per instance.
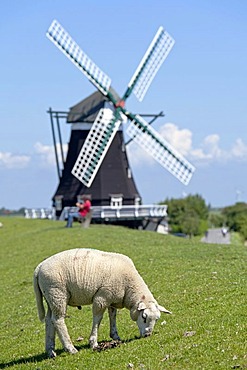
(216, 219)
(190, 223)
(236, 218)
(187, 215)
(197, 203)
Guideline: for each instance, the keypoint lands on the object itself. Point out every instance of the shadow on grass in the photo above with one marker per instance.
(43, 356)
(24, 360)
(35, 359)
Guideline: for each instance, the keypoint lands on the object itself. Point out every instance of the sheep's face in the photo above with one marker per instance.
(148, 314)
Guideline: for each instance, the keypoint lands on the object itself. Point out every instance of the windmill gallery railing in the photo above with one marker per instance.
(39, 213)
(148, 217)
(107, 213)
(152, 217)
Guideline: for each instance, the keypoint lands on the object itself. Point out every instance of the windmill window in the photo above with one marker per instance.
(137, 201)
(116, 201)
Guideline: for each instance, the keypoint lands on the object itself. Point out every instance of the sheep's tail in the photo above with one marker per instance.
(38, 295)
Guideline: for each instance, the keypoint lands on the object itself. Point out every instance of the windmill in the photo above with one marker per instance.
(113, 114)
(114, 182)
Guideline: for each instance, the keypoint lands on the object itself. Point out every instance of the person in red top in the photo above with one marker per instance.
(83, 210)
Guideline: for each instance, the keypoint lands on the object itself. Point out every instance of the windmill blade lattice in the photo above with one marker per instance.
(154, 144)
(69, 47)
(157, 52)
(108, 121)
(96, 145)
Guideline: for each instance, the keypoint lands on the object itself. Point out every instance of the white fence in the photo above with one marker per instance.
(154, 217)
(122, 213)
(39, 213)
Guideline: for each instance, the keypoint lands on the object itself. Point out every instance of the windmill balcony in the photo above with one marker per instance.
(143, 216)
(148, 217)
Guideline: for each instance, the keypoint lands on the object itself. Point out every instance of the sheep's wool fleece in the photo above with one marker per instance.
(83, 272)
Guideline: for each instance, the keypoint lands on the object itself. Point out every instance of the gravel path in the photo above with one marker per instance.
(215, 236)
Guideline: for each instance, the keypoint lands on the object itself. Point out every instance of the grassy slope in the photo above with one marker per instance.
(203, 285)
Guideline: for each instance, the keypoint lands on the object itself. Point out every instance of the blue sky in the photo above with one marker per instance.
(201, 87)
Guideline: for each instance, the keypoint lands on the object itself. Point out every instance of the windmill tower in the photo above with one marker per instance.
(105, 133)
(113, 184)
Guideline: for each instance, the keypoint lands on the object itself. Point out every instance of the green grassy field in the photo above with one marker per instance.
(205, 286)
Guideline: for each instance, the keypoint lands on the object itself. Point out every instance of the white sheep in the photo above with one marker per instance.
(79, 277)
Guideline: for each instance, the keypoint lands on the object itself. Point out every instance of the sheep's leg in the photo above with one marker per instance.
(98, 312)
(113, 326)
(94, 333)
(49, 335)
(63, 334)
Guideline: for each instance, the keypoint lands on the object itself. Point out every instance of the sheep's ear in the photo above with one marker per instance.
(163, 309)
(141, 306)
(134, 314)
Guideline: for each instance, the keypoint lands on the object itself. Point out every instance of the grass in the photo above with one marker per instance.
(203, 285)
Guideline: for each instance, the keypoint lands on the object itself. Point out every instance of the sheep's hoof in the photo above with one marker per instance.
(72, 350)
(93, 344)
(51, 354)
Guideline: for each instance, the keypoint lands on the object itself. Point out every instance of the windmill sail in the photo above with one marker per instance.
(96, 145)
(153, 143)
(69, 47)
(107, 122)
(157, 52)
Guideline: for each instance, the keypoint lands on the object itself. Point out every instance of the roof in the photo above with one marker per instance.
(87, 109)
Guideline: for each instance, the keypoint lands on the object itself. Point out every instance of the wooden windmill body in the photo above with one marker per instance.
(113, 182)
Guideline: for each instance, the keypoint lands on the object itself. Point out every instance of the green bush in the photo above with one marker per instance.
(236, 218)
(187, 215)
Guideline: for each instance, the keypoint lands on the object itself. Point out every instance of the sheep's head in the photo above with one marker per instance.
(146, 315)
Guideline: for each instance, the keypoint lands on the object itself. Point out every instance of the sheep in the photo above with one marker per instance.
(79, 277)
